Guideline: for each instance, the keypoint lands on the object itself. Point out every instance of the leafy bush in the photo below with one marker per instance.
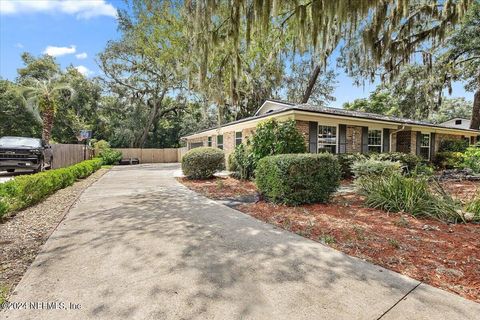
(397, 193)
(101, 145)
(346, 161)
(241, 162)
(471, 159)
(27, 190)
(298, 178)
(448, 160)
(107, 154)
(408, 160)
(453, 145)
(203, 162)
(372, 167)
(272, 137)
(110, 156)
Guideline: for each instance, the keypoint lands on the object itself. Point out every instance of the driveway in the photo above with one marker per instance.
(139, 245)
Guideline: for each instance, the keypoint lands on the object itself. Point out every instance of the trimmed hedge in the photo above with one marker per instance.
(294, 179)
(24, 191)
(203, 162)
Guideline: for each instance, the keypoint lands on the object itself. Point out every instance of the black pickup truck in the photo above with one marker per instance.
(24, 153)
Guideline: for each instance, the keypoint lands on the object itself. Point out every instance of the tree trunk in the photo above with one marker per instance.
(475, 124)
(153, 115)
(47, 118)
(311, 84)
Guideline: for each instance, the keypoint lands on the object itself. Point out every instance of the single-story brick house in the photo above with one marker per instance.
(338, 131)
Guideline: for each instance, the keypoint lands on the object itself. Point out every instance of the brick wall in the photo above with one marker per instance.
(393, 143)
(304, 128)
(413, 142)
(354, 139)
(247, 133)
(197, 140)
(439, 137)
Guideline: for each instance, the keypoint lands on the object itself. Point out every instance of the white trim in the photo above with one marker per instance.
(271, 102)
(337, 140)
(381, 139)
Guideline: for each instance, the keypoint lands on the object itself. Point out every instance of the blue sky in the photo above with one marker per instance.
(75, 31)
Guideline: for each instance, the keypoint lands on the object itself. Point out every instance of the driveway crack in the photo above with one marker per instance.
(393, 306)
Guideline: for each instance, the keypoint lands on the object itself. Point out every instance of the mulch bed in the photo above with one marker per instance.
(22, 235)
(220, 187)
(444, 255)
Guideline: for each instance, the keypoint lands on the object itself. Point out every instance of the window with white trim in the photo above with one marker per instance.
(220, 141)
(374, 141)
(238, 138)
(327, 139)
(209, 141)
(425, 146)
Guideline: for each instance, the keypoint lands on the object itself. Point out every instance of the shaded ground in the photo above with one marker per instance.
(443, 255)
(139, 245)
(22, 235)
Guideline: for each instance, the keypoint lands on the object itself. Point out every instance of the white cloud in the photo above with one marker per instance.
(82, 9)
(59, 51)
(82, 55)
(18, 45)
(84, 70)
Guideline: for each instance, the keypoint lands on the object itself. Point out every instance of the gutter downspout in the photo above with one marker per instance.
(392, 133)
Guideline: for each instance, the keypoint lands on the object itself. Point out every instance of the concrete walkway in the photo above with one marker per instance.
(138, 245)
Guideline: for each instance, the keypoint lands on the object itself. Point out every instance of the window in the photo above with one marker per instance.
(425, 146)
(238, 138)
(209, 141)
(374, 141)
(327, 139)
(220, 141)
(458, 121)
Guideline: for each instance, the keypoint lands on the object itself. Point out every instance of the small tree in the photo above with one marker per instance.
(272, 137)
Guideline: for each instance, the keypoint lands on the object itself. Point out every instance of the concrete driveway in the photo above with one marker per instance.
(138, 245)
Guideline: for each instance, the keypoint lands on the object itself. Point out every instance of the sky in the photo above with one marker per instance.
(75, 31)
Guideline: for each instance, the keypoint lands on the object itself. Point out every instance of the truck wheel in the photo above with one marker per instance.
(41, 167)
(10, 170)
(50, 164)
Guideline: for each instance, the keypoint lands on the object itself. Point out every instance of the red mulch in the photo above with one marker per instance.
(443, 255)
(220, 187)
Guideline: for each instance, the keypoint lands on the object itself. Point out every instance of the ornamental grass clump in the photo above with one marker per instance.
(419, 196)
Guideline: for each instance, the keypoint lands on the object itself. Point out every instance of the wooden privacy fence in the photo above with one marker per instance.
(153, 155)
(65, 155)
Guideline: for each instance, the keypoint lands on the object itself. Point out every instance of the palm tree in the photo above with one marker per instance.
(41, 99)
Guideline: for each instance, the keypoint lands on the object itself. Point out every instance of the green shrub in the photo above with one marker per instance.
(101, 145)
(110, 156)
(203, 162)
(453, 145)
(298, 178)
(346, 161)
(372, 167)
(241, 162)
(471, 159)
(272, 137)
(27, 190)
(408, 160)
(398, 193)
(448, 160)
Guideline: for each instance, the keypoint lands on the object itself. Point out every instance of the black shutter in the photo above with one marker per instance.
(342, 138)
(364, 139)
(419, 142)
(386, 140)
(432, 145)
(313, 136)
